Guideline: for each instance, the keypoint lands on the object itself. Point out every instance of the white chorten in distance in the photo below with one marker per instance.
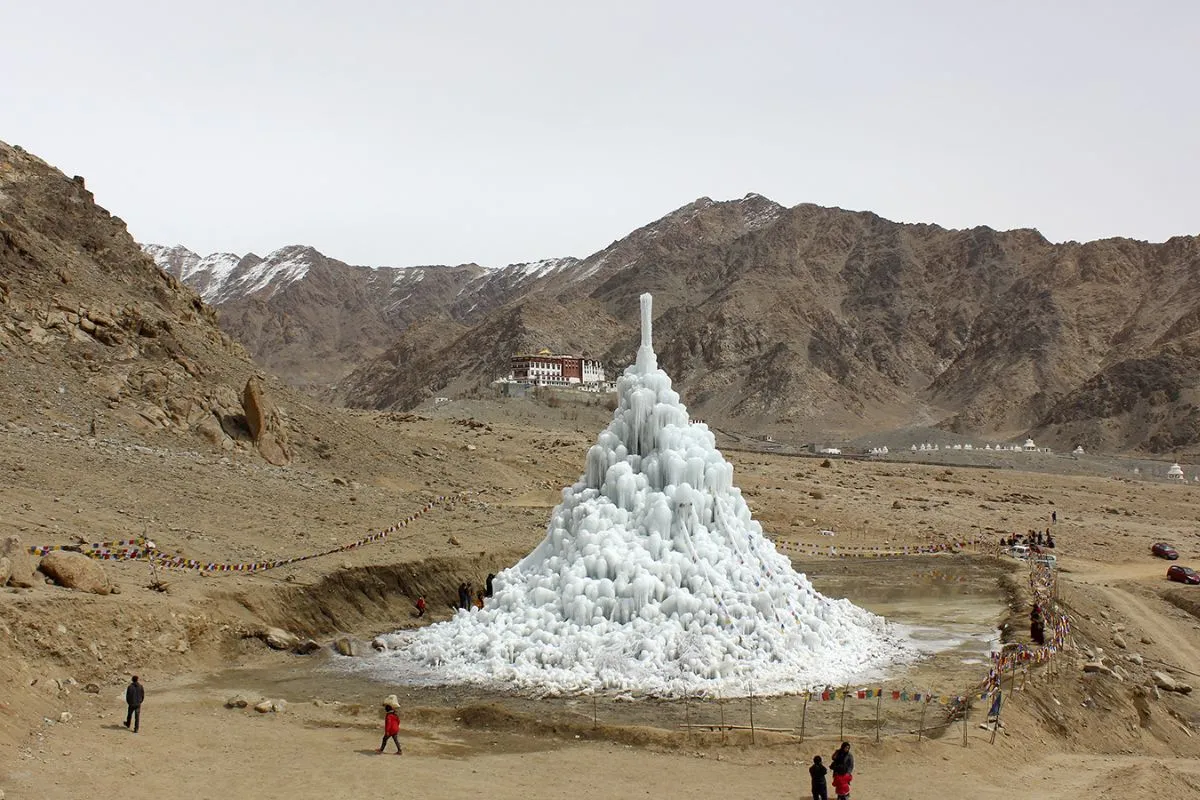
(654, 578)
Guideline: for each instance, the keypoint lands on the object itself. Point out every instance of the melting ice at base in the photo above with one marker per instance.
(653, 578)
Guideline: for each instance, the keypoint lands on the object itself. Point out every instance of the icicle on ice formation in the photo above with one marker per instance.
(653, 577)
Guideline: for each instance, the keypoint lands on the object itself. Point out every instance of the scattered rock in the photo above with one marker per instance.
(65, 716)
(92, 688)
(279, 639)
(237, 701)
(1147, 640)
(348, 647)
(339, 481)
(454, 541)
(20, 565)
(210, 428)
(1119, 641)
(1168, 684)
(1134, 658)
(307, 646)
(75, 571)
(265, 707)
(1096, 666)
(379, 644)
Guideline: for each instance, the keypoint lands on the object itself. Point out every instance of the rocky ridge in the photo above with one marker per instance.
(821, 321)
(804, 321)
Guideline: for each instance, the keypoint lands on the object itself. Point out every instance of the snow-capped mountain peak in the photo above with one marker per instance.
(220, 277)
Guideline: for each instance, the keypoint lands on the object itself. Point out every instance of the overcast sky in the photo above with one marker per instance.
(394, 133)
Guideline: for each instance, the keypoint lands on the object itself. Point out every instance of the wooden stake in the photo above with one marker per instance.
(965, 709)
(751, 716)
(842, 721)
(924, 708)
(595, 723)
(803, 717)
(721, 705)
(878, 707)
(687, 715)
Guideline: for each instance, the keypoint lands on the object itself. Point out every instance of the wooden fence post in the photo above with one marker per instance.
(752, 716)
(721, 705)
(966, 707)
(803, 717)
(842, 720)
(687, 714)
(878, 707)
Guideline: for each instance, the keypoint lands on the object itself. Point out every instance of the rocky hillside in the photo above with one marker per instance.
(96, 341)
(815, 320)
(804, 321)
(311, 319)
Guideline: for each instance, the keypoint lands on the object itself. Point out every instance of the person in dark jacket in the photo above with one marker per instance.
(1037, 625)
(464, 595)
(488, 588)
(842, 762)
(135, 693)
(820, 791)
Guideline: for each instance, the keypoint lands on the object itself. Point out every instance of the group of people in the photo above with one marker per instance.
(841, 764)
(1035, 540)
(467, 598)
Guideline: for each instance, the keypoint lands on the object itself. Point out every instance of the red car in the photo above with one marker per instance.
(1164, 550)
(1181, 574)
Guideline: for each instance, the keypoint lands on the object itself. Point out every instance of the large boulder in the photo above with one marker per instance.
(349, 647)
(5, 570)
(279, 639)
(1169, 684)
(20, 564)
(265, 424)
(75, 571)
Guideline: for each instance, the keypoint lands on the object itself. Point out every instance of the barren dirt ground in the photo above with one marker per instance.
(1067, 734)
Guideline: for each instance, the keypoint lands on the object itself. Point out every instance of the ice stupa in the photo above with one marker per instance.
(653, 578)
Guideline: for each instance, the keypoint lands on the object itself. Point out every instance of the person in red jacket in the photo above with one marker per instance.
(841, 785)
(421, 606)
(391, 729)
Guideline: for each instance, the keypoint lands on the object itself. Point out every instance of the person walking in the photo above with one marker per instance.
(391, 728)
(421, 606)
(135, 693)
(488, 584)
(820, 791)
(464, 595)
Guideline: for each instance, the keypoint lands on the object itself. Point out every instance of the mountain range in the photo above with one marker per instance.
(809, 320)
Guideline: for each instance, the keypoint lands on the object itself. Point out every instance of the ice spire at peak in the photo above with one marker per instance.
(647, 361)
